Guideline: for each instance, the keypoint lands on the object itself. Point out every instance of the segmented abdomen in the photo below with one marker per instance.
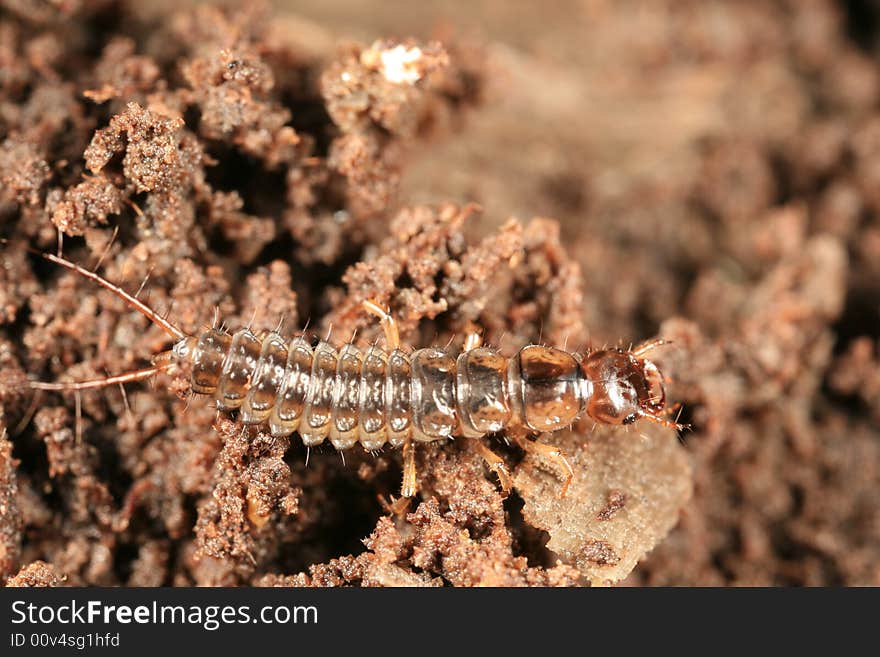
(374, 397)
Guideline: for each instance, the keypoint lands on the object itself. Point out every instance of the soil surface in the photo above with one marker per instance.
(585, 174)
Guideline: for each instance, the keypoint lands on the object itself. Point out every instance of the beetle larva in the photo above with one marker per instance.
(391, 396)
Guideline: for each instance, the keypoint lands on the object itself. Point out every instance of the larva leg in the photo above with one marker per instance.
(78, 422)
(408, 489)
(497, 465)
(664, 421)
(396, 507)
(392, 341)
(392, 336)
(550, 452)
(646, 347)
(473, 340)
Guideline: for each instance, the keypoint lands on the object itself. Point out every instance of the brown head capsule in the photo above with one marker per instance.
(625, 386)
(400, 397)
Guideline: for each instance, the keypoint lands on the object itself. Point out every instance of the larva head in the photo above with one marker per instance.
(625, 387)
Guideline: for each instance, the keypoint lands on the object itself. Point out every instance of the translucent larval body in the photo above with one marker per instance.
(374, 397)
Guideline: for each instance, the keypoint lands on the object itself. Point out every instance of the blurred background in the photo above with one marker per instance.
(715, 169)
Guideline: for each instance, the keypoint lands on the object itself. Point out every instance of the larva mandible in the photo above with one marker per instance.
(389, 396)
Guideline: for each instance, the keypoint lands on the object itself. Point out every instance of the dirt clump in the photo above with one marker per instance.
(719, 190)
(255, 176)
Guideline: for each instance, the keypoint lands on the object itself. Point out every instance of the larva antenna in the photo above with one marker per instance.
(131, 300)
(161, 362)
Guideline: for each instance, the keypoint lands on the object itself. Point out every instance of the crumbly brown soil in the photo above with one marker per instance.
(711, 171)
